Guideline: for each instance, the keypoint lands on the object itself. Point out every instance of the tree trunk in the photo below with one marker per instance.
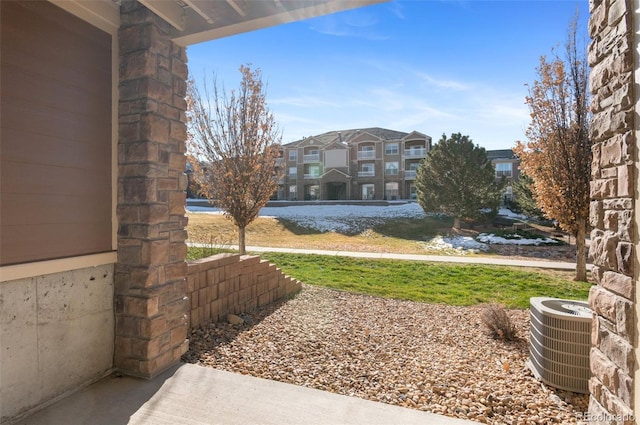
(456, 223)
(581, 257)
(241, 243)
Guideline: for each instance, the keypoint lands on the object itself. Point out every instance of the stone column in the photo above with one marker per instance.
(611, 56)
(150, 281)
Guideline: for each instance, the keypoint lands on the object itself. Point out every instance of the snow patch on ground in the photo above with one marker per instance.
(504, 212)
(455, 245)
(350, 219)
(518, 240)
(354, 219)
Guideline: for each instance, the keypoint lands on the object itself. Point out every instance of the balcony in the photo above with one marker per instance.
(415, 153)
(367, 173)
(366, 154)
(311, 157)
(410, 175)
(312, 176)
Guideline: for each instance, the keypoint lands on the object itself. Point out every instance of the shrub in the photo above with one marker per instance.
(497, 321)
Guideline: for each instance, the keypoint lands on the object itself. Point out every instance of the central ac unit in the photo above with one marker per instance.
(560, 342)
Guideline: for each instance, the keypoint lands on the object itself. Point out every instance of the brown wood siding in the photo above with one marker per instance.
(55, 129)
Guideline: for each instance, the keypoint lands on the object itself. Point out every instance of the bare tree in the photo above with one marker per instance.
(235, 144)
(557, 155)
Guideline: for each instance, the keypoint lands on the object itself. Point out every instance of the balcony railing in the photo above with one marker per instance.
(415, 153)
(366, 154)
(410, 174)
(368, 173)
(312, 157)
(312, 176)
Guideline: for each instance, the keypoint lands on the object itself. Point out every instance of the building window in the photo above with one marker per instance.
(293, 172)
(391, 191)
(312, 192)
(504, 169)
(293, 192)
(391, 168)
(311, 155)
(367, 152)
(368, 191)
(367, 169)
(413, 191)
(508, 192)
(293, 155)
(312, 171)
(391, 149)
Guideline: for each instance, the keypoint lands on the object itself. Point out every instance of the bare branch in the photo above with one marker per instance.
(236, 142)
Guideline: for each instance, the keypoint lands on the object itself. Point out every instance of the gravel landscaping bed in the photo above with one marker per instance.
(435, 358)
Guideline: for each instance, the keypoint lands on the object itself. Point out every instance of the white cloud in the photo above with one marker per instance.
(354, 23)
(397, 9)
(441, 83)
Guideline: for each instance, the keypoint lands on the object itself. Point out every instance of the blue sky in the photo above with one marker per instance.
(438, 67)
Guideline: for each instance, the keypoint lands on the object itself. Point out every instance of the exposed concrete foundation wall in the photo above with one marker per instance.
(56, 334)
(231, 284)
(613, 192)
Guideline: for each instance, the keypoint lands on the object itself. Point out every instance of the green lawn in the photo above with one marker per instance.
(454, 284)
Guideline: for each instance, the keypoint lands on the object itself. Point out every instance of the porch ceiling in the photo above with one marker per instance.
(195, 21)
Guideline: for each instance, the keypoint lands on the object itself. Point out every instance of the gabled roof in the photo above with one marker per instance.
(415, 135)
(336, 144)
(309, 141)
(501, 154)
(364, 136)
(347, 136)
(336, 171)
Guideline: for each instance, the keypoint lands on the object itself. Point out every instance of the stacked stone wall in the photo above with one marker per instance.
(611, 57)
(150, 279)
(232, 284)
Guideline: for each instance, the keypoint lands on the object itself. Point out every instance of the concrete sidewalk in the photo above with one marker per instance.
(188, 394)
(469, 259)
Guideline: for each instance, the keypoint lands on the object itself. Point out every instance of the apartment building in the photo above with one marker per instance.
(358, 164)
(507, 165)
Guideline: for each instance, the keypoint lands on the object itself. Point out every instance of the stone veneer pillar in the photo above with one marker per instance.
(150, 280)
(613, 186)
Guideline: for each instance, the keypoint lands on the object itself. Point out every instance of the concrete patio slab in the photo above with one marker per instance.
(195, 395)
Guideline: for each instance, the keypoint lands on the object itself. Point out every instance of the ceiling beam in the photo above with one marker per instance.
(169, 11)
(237, 7)
(306, 9)
(197, 7)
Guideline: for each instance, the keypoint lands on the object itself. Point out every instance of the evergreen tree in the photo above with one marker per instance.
(524, 197)
(457, 179)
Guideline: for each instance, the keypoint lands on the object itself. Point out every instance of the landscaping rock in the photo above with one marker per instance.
(434, 358)
(235, 320)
